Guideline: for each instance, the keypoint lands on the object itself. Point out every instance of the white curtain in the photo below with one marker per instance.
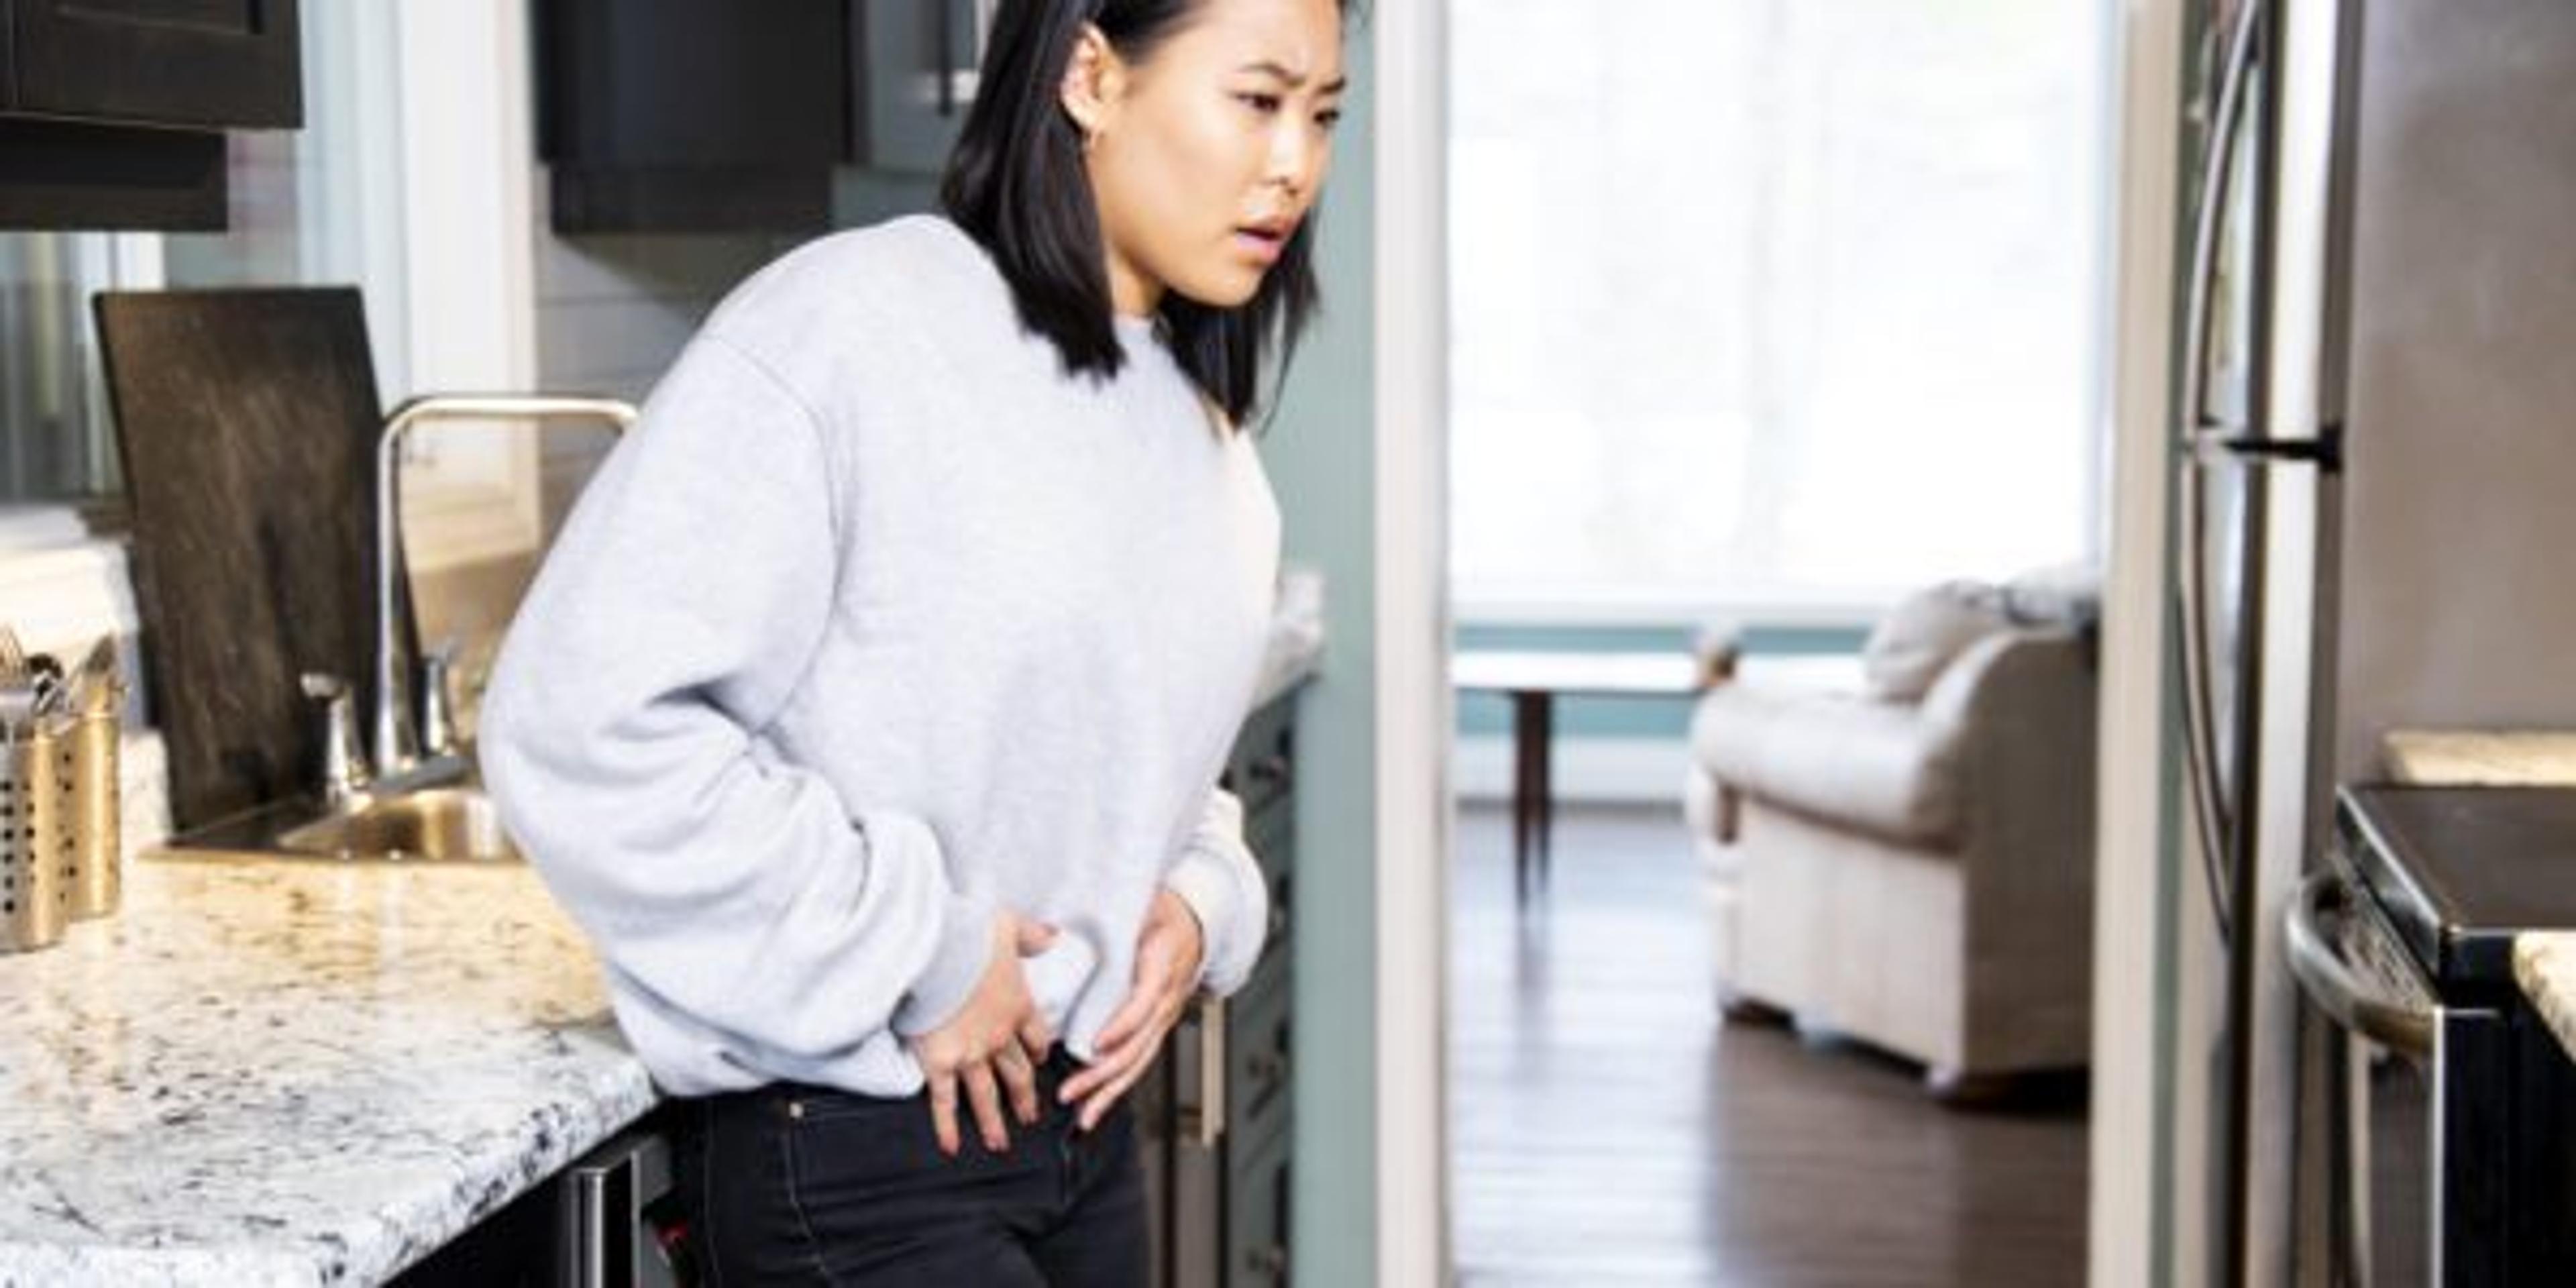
(1772, 302)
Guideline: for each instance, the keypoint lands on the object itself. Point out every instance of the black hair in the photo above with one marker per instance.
(1016, 183)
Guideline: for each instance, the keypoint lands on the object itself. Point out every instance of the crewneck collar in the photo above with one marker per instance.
(1133, 329)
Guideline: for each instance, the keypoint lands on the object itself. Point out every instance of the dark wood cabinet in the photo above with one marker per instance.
(1217, 1114)
(112, 112)
(914, 65)
(202, 64)
(692, 115)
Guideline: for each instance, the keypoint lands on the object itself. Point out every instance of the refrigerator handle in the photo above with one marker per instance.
(2200, 736)
(2218, 172)
(2200, 726)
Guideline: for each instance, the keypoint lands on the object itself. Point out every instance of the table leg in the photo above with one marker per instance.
(1543, 806)
(1529, 731)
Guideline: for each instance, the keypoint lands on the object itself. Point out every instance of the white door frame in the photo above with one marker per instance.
(1412, 629)
(2132, 906)
(466, 188)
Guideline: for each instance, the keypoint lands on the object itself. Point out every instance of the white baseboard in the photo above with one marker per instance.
(1624, 771)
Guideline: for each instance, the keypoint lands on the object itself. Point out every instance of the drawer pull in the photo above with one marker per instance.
(1265, 1072)
(1271, 771)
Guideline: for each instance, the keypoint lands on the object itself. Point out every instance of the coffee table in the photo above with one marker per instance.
(1534, 680)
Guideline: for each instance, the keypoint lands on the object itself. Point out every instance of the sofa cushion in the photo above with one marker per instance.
(1910, 646)
(1873, 766)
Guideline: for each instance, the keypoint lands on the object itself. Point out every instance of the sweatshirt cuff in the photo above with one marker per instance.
(1203, 881)
(957, 965)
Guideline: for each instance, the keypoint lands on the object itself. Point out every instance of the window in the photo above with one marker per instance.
(53, 440)
(1762, 303)
(316, 205)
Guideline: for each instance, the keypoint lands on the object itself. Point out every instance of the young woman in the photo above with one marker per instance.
(868, 710)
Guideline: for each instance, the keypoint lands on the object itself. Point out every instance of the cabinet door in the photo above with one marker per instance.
(1262, 771)
(1257, 1218)
(919, 59)
(1195, 1203)
(209, 63)
(1151, 1101)
(1272, 835)
(1259, 1092)
(691, 85)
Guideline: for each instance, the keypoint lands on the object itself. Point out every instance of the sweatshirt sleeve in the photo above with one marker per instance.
(672, 620)
(1216, 875)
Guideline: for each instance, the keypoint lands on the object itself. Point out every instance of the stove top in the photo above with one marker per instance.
(2460, 871)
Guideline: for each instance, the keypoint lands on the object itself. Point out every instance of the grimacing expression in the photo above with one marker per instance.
(1206, 154)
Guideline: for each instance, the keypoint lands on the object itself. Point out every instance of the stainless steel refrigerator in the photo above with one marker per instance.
(2375, 465)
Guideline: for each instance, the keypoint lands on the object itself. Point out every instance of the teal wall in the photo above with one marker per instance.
(1320, 453)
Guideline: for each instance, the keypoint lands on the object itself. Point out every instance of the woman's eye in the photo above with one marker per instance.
(1329, 117)
(1262, 103)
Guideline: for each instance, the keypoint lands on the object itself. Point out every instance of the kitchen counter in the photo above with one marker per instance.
(284, 1072)
(268, 1071)
(2545, 966)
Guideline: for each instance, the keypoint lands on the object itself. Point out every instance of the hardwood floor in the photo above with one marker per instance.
(1607, 1128)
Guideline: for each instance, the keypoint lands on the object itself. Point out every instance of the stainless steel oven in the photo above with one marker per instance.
(2380, 1083)
(2446, 1157)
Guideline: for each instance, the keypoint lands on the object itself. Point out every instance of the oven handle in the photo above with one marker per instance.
(2335, 987)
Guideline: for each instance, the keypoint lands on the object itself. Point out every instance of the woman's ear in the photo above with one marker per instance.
(1093, 80)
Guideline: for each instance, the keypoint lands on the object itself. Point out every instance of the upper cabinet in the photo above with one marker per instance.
(112, 111)
(692, 115)
(188, 63)
(727, 116)
(916, 61)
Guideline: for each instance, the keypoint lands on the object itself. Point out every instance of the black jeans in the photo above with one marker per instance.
(791, 1184)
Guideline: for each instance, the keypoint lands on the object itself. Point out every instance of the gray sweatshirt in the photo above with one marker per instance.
(876, 624)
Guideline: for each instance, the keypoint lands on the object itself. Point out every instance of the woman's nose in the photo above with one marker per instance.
(1296, 155)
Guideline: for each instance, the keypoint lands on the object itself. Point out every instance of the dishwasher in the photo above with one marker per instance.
(620, 1220)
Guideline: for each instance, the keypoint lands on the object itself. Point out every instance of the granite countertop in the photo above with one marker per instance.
(2545, 965)
(267, 1071)
(295, 1072)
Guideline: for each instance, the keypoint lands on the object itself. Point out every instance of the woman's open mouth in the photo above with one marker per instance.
(1266, 240)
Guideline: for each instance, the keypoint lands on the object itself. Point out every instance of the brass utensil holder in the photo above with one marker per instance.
(61, 829)
(37, 864)
(94, 814)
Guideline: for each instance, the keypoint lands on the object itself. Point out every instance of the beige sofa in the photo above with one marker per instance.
(1914, 870)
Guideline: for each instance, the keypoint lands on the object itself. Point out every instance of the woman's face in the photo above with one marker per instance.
(1207, 154)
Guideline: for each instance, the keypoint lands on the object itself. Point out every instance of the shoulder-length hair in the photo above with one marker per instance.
(1017, 184)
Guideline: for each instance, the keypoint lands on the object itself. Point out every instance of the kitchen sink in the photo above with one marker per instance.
(449, 821)
(438, 823)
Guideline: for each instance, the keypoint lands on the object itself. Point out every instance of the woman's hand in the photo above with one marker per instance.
(1168, 953)
(999, 1034)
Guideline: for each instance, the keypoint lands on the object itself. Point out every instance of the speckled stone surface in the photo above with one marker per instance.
(2545, 966)
(299, 1072)
(283, 1072)
(2481, 757)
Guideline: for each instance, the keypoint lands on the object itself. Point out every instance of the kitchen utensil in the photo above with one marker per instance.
(13, 659)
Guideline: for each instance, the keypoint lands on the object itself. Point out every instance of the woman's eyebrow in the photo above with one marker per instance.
(1293, 79)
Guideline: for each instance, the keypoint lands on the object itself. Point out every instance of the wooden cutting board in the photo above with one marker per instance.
(246, 420)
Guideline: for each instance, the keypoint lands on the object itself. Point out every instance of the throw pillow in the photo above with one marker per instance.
(1917, 639)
